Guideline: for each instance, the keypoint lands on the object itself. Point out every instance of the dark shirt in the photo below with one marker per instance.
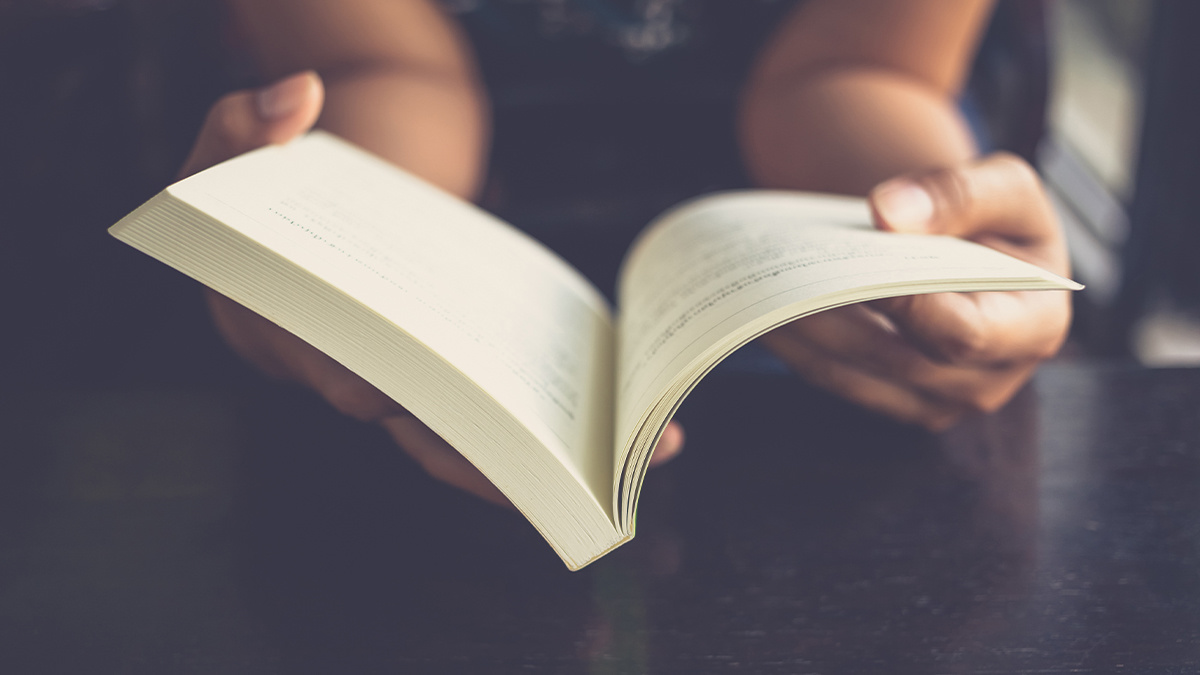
(606, 112)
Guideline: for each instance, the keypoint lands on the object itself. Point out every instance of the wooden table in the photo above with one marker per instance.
(199, 523)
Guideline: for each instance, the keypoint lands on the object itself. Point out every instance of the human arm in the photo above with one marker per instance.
(850, 93)
(245, 120)
(397, 80)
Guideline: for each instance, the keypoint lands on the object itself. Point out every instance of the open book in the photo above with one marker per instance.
(502, 348)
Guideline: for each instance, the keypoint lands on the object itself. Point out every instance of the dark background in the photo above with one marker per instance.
(164, 509)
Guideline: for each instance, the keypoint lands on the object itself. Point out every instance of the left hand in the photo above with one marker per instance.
(243, 121)
(931, 359)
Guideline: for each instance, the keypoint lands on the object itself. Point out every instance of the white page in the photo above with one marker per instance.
(705, 271)
(491, 301)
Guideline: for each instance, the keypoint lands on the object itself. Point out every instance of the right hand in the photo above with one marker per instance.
(243, 121)
(933, 359)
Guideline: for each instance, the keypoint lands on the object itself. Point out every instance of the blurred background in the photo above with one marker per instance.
(1120, 127)
(99, 101)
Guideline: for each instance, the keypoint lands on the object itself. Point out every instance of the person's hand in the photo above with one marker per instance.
(246, 120)
(931, 359)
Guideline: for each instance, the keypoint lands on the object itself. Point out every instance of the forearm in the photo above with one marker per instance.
(433, 126)
(399, 78)
(848, 130)
(851, 92)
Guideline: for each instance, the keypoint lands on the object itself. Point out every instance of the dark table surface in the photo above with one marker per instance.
(176, 527)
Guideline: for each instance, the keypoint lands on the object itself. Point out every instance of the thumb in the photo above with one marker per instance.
(997, 197)
(249, 119)
(997, 201)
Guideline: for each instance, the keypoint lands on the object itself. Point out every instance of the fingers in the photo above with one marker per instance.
(994, 200)
(348, 393)
(999, 202)
(856, 354)
(245, 120)
(856, 335)
(285, 356)
(669, 444)
(982, 329)
(873, 393)
(439, 459)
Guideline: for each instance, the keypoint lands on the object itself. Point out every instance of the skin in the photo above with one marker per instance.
(849, 96)
(858, 97)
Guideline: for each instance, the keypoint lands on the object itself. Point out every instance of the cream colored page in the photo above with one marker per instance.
(492, 302)
(706, 270)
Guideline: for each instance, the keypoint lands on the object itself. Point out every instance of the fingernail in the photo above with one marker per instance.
(903, 204)
(283, 97)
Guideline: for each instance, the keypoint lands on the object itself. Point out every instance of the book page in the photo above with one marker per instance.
(711, 274)
(489, 300)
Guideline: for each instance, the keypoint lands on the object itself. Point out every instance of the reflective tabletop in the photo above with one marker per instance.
(179, 524)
